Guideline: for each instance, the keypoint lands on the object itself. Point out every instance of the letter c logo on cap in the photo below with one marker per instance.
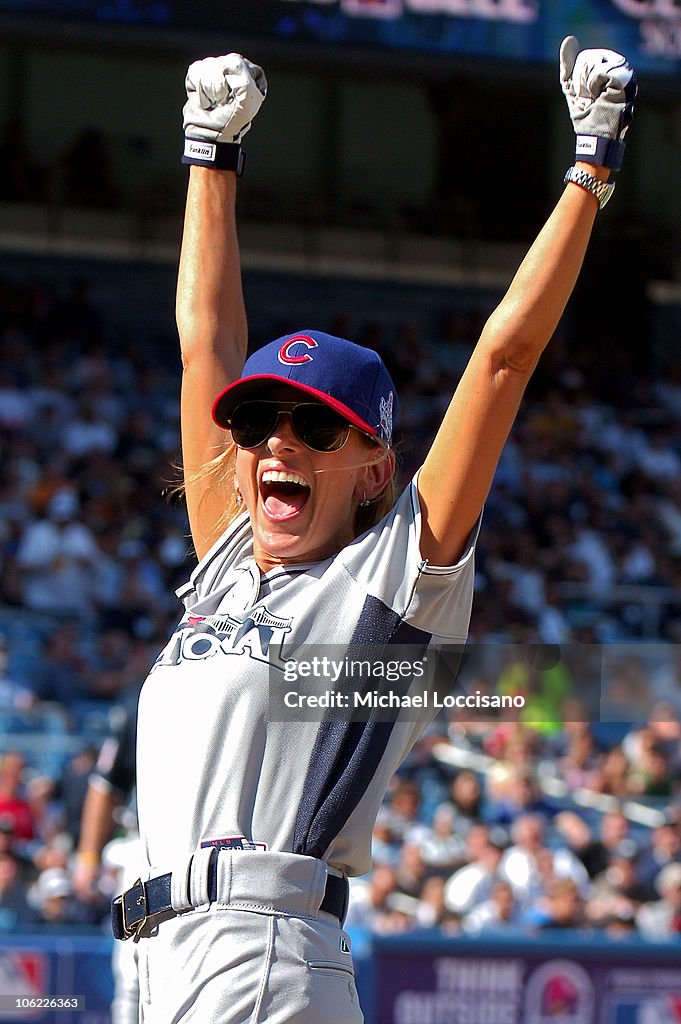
(300, 339)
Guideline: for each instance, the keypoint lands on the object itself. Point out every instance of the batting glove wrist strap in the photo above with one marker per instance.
(594, 149)
(223, 156)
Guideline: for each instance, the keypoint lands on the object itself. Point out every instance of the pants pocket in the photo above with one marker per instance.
(311, 977)
(331, 967)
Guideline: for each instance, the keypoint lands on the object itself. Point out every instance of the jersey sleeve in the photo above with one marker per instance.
(386, 562)
(115, 768)
(232, 548)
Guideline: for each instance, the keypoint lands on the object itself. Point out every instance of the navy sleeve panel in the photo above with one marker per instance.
(116, 762)
(345, 755)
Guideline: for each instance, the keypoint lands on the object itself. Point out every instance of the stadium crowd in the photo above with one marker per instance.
(580, 556)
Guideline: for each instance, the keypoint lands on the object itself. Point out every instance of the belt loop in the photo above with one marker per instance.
(224, 880)
(199, 894)
(179, 885)
(318, 887)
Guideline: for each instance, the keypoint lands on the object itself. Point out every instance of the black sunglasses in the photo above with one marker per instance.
(316, 425)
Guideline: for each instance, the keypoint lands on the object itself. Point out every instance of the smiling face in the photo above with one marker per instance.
(303, 503)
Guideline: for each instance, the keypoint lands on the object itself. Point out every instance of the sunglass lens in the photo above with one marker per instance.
(319, 427)
(252, 423)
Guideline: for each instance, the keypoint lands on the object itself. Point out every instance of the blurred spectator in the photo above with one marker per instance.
(665, 725)
(13, 804)
(562, 907)
(614, 830)
(15, 910)
(48, 818)
(617, 892)
(553, 626)
(88, 433)
(15, 404)
(473, 883)
(63, 671)
(542, 679)
(401, 816)
(142, 586)
(664, 848)
(662, 919)
(521, 862)
(627, 695)
(657, 457)
(432, 911)
(582, 761)
(56, 557)
(650, 774)
(573, 830)
(613, 777)
(385, 846)
(54, 901)
(620, 927)
(500, 912)
(14, 695)
(73, 786)
(375, 904)
(465, 801)
(10, 844)
(522, 796)
(411, 870)
(443, 846)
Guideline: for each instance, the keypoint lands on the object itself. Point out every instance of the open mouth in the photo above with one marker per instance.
(283, 494)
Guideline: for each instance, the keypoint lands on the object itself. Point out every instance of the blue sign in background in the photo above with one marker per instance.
(648, 31)
(513, 979)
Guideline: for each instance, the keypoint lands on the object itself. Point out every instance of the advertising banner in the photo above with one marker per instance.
(410, 979)
(60, 979)
(459, 982)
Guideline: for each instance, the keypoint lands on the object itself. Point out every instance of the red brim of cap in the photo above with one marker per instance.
(227, 401)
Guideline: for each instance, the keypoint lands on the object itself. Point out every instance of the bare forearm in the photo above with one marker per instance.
(210, 309)
(526, 318)
(96, 822)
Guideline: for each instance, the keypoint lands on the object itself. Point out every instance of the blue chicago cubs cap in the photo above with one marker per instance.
(351, 379)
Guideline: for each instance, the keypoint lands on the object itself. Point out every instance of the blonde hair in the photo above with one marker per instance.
(220, 473)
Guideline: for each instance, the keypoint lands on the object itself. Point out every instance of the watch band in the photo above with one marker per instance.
(602, 190)
(224, 156)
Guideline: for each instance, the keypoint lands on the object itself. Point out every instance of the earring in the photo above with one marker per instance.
(365, 501)
(239, 499)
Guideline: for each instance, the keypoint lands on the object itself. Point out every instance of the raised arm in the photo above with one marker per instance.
(223, 95)
(456, 476)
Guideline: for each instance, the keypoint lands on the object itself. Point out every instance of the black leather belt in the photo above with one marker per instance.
(144, 900)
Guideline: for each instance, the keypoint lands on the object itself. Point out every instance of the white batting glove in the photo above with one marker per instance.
(223, 96)
(600, 87)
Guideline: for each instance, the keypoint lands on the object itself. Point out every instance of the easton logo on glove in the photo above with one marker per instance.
(199, 150)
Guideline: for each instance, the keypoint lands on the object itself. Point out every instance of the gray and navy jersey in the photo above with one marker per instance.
(213, 765)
